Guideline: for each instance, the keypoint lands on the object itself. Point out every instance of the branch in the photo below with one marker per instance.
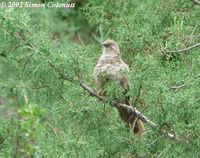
(62, 75)
(25, 94)
(197, 76)
(92, 92)
(178, 87)
(196, 1)
(128, 108)
(181, 50)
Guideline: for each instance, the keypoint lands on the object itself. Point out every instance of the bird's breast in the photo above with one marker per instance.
(112, 68)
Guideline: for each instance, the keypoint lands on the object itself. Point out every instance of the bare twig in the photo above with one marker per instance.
(191, 36)
(62, 75)
(80, 39)
(197, 76)
(165, 149)
(92, 92)
(25, 94)
(196, 1)
(162, 49)
(181, 50)
(166, 55)
(155, 140)
(178, 87)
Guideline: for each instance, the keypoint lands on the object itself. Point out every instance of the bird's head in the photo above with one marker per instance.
(110, 46)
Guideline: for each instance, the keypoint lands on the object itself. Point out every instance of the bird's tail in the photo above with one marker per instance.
(139, 127)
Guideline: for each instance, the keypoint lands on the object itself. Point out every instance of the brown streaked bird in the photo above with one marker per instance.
(111, 67)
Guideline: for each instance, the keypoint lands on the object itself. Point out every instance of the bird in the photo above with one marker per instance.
(111, 68)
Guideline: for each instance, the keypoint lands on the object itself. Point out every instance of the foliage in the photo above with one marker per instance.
(42, 115)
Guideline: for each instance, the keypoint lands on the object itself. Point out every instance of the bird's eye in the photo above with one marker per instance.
(107, 44)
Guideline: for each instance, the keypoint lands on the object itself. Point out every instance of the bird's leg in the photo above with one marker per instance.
(99, 87)
(100, 92)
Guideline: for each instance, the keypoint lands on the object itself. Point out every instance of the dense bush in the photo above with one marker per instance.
(42, 115)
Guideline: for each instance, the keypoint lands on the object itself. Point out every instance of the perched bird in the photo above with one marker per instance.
(111, 68)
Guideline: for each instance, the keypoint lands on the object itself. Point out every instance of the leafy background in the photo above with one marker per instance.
(58, 118)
